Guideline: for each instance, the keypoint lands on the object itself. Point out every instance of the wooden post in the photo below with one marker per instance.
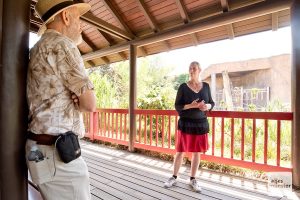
(295, 23)
(132, 97)
(14, 35)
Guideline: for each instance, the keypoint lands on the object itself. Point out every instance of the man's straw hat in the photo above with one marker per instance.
(47, 9)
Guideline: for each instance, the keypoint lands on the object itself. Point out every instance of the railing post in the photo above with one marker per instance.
(295, 24)
(95, 125)
(91, 126)
(132, 97)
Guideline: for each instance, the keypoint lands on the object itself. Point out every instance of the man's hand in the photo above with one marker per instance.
(75, 100)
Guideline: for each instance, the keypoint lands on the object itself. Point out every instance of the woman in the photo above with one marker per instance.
(192, 100)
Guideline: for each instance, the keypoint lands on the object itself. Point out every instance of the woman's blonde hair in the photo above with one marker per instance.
(195, 63)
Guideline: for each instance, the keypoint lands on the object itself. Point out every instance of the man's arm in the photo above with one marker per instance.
(85, 102)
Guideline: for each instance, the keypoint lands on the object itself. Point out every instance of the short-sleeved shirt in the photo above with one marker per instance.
(56, 71)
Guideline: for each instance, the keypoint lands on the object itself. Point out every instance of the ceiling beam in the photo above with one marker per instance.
(230, 31)
(148, 16)
(112, 42)
(255, 10)
(142, 51)
(88, 41)
(116, 15)
(186, 19)
(123, 55)
(108, 39)
(229, 27)
(275, 21)
(105, 27)
(225, 5)
(105, 60)
(151, 21)
(183, 12)
(91, 63)
(194, 39)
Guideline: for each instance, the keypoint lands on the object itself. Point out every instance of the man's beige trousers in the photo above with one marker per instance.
(56, 179)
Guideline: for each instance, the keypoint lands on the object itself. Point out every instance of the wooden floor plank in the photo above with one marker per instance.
(133, 176)
(138, 180)
(227, 185)
(103, 194)
(139, 175)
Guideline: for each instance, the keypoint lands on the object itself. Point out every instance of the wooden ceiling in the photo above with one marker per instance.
(163, 25)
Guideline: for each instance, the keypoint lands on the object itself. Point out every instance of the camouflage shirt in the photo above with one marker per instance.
(56, 70)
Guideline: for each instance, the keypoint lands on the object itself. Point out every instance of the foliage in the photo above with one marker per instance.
(182, 78)
(105, 91)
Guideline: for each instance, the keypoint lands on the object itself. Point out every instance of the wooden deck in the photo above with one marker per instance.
(118, 174)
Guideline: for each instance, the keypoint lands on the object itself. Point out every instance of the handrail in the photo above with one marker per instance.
(246, 139)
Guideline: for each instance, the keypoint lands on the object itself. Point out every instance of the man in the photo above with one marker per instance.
(58, 90)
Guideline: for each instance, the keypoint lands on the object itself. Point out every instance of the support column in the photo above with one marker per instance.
(14, 34)
(132, 96)
(295, 24)
(213, 86)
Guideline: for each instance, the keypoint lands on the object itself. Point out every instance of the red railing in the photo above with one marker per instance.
(254, 140)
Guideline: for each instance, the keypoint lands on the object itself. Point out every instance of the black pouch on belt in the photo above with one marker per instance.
(67, 145)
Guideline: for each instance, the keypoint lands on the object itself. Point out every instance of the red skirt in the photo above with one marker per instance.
(191, 142)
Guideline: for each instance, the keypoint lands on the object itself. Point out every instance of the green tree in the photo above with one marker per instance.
(105, 91)
(182, 78)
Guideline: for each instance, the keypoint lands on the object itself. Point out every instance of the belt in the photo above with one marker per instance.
(43, 139)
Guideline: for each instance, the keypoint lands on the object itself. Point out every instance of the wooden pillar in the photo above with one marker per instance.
(295, 23)
(213, 86)
(14, 34)
(132, 96)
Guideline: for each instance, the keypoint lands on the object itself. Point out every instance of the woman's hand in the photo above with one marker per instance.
(202, 106)
(195, 104)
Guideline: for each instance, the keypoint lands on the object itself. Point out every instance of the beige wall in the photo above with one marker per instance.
(277, 77)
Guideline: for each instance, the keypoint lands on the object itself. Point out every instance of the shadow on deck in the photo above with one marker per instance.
(119, 174)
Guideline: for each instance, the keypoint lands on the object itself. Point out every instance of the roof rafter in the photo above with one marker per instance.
(151, 21)
(116, 15)
(229, 27)
(94, 48)
(142, 51)
(148, 16)
(274, 21)
(252, 11)
(225, 5)
(183, 12)
(89, 42)
(112, 42)
(106, 27)
(186, 19)
(230, 31)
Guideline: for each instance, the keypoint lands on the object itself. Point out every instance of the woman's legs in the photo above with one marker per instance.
(177, 162)
(194, 168)
(195, 163)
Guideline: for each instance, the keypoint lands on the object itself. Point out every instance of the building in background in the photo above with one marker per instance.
(252, 84)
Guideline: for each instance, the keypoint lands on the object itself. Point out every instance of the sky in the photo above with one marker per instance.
(259, 45)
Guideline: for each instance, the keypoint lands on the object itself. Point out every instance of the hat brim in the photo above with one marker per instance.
(82, 8)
